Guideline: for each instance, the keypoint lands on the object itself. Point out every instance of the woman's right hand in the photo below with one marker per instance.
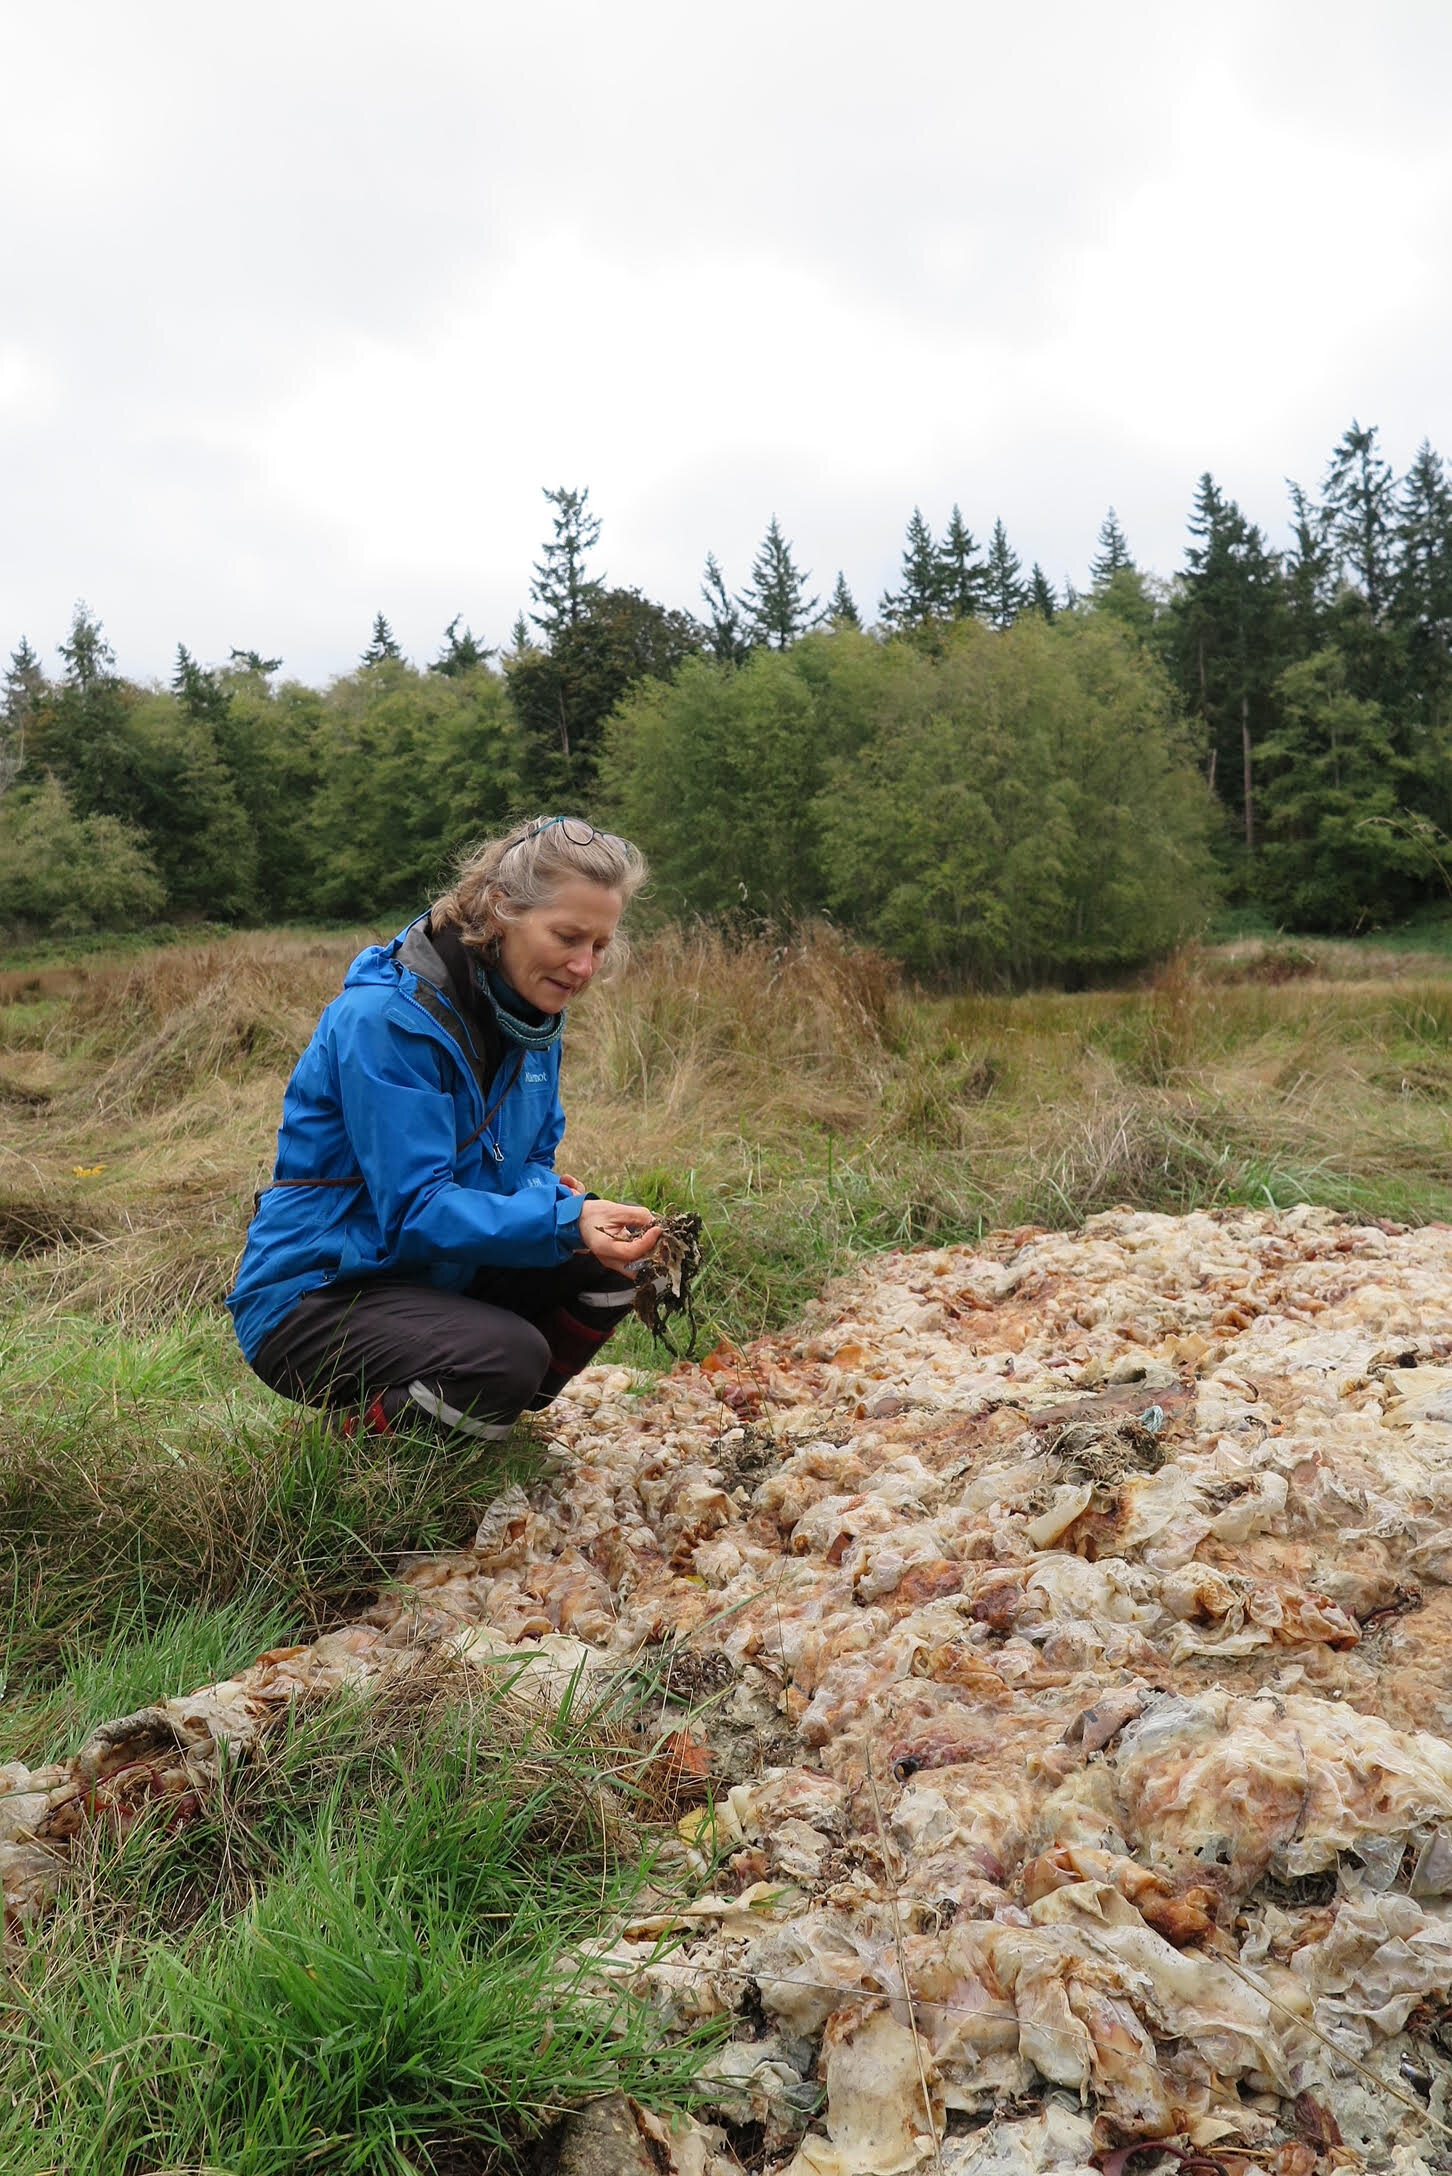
(617, 1234)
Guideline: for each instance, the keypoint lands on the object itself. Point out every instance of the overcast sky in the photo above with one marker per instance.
(304, 301)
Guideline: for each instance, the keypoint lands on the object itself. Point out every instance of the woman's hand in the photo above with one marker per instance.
(617, 1234)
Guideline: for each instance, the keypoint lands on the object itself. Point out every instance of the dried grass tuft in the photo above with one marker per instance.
(39, 1220)
(795, 1015)
(177, 1019)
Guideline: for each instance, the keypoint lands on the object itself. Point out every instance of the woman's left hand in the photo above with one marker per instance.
(616, 1233)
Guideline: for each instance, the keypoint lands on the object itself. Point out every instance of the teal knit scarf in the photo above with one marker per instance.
(541, 1032)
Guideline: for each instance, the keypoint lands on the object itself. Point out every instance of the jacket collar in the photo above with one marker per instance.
(442, 986)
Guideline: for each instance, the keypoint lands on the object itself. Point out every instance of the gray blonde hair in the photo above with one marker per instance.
(498, 881)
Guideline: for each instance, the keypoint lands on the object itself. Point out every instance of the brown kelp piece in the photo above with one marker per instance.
(665, 1280)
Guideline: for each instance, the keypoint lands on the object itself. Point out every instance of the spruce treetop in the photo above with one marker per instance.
(1359, 508)
(841, 607)
(1007, 593)
(962, 575)
(561, 588)
(382, 649)
(921, 596)
(24, 690)
(199, 691)
(24, 682)
(1423, 589)
(1113, 555)
(460, 652)
(777, 611)
(1041, 594)
(726, 636)
(88, 657)
(1310, 565)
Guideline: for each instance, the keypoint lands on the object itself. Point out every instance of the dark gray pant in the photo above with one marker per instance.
(471, 1361)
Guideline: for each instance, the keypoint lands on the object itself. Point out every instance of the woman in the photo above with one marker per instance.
(417, 1259)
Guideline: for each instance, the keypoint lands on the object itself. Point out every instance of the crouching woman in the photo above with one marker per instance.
(417, 1260)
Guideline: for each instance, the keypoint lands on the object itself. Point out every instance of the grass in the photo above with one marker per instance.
(125, 1516)
(352, 1961)
(21, 958)
(144, 1653)
(357, 1959)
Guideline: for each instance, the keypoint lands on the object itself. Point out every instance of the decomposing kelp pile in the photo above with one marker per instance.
(1066, 1621)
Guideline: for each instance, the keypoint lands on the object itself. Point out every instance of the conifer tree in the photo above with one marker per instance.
(921, 597)
(252, 661)
(382, 649)
(87, 655)
(1230, 644)
(1359, 504)
(84, 735)
(1006, 592)
(1309, 574)
(962, 575)
(1335, 855)
(726, 636)
(520, 638)
(1113, 554)
(1421, 600)
(24, 693)
(1041, 594)
(461, 653)
(24, 679)
(80, 730)
(561, 588)
(778, 613)
(841, 609)
(1423, 581)
(563, 695)
(199, 691)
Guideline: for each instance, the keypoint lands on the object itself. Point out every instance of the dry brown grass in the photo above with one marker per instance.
(1294, 958)
(805, 1029)
(141, 1108)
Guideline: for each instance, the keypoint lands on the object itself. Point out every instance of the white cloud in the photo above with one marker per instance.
(305, 302)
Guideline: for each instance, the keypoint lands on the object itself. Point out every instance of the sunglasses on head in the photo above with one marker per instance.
(577, 832)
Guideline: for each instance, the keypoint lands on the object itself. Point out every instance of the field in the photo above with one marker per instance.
(164, 1519)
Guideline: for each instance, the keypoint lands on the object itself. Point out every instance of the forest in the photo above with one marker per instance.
(990, 780)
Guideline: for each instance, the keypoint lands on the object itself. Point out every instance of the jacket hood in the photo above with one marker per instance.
(411, 948)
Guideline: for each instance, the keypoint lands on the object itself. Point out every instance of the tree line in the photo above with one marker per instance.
(985, 774)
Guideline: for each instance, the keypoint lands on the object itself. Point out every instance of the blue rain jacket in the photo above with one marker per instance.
(389, 1104)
